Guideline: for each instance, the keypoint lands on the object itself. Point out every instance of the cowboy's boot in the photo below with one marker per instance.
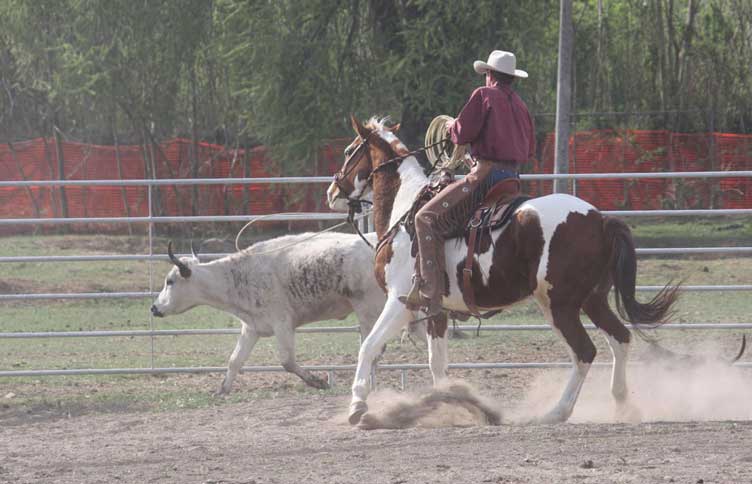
(415, 300)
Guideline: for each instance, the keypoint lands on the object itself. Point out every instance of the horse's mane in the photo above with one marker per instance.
(377, 123)
(380, 124)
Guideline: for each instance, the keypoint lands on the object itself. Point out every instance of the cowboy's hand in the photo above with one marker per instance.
(448, 127)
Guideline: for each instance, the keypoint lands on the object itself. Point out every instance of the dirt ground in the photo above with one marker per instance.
(686, 425)
(694, 427)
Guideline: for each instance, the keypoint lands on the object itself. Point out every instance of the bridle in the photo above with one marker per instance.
(342, 175)
(355, 204)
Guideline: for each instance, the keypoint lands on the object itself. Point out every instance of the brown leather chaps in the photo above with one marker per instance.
(446, 216)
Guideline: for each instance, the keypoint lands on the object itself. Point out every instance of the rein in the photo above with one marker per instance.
(397, 159)
(355, 205)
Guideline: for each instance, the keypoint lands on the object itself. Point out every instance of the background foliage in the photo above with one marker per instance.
(287, 73)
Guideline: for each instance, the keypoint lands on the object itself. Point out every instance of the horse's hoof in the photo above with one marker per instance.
(357, 409)
(627, 413)
(369, 422)
(553, 417)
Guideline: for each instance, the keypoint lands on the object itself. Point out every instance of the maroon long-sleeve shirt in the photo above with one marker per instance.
(497, 125)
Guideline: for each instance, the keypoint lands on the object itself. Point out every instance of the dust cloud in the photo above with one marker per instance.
(660, 388)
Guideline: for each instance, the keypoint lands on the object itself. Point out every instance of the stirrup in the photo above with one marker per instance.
(413, 300)
(432, 309)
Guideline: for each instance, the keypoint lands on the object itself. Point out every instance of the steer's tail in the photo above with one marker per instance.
(623, 270)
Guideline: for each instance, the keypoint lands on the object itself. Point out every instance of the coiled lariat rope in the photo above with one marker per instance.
(315, 234)
(446, 156)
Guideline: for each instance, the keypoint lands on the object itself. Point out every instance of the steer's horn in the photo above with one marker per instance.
(185, 272)
(741, 351)
(194, 250)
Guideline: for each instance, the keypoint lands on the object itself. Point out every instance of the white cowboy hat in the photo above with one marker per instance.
(499, 61)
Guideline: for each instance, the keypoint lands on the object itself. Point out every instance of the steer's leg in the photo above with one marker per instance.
(285, 335)
(393, 318)
(565, 319)
(367, 312)
(246, 341)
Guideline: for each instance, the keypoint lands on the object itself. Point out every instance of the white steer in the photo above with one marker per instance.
(274, 286)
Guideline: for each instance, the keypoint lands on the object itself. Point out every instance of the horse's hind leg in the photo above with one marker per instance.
(619, 338)
(393, 318)
(565, 319)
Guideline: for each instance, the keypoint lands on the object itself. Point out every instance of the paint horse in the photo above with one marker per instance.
(558, 249)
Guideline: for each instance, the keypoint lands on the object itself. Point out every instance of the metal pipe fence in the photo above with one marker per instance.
(328, 329)
(153, 294)
(316, 216)
(213, 256)
(328, 179)
(330, 369)
(151, 257)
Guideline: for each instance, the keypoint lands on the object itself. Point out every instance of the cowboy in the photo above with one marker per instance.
(497, 125)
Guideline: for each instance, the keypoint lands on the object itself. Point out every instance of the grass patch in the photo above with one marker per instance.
(726, 231)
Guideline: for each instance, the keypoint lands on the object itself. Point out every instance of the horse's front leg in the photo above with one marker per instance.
(393, 318)
(438, 358)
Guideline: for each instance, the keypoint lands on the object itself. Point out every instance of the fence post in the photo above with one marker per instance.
(715, 185)
(60, 171)
(365, 224)
(151, 272)
(563, 94)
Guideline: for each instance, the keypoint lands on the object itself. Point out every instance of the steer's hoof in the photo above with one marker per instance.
(222, 391)
(357, 409)
(318, 383)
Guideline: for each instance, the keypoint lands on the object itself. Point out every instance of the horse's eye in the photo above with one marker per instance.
(348, 151)
(169, 282)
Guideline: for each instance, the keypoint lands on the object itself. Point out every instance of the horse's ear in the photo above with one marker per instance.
(395, 128)
(358, 127)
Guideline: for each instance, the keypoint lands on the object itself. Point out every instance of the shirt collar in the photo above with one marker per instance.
(507, 88)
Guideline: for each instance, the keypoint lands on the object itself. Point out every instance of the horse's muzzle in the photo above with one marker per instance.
(332, 195)
(156, 312)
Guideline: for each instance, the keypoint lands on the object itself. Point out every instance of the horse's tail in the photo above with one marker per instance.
(623, 272)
